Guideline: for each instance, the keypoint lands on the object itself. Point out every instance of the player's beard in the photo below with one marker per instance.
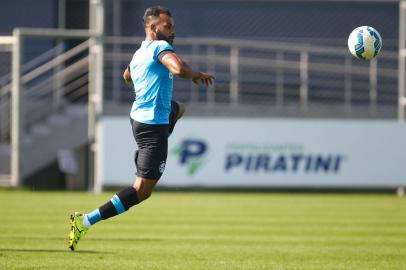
(161, 36)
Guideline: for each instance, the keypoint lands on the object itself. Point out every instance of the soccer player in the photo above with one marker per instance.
(153, 116)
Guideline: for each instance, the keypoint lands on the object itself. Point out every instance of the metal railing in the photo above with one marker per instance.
(279, 75)
(40, 88)
(47, 83)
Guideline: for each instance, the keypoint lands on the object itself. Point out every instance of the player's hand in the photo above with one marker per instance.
(204, 78)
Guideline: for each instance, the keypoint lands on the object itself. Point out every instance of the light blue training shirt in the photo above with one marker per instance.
(153, 84)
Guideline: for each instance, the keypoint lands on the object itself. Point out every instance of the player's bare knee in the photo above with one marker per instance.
(144, 188)
(146, 195)
(142, 194)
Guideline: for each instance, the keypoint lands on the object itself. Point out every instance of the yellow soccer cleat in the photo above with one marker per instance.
(77, 230)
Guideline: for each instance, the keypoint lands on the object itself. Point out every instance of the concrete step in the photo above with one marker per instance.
(39, 130)
(77, 110)
(40, 146)
(5, 150)
(5, 180)
(61, 131)
(59, 120)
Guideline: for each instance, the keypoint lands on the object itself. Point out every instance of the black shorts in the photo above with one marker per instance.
(152, 142)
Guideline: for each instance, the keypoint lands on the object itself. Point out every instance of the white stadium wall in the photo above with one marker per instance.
(256, 152)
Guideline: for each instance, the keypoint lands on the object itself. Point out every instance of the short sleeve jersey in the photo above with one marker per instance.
(153, 84)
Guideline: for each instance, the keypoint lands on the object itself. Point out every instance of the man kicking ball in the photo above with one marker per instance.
(153, 116)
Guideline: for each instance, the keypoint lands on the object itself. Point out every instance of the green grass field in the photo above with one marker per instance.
(180, 230)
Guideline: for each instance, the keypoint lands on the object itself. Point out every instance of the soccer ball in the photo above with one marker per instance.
(364, 42)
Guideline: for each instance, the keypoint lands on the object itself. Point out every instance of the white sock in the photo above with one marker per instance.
(86, 222)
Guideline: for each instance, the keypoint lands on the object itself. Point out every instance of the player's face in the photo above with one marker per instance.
(165, 29)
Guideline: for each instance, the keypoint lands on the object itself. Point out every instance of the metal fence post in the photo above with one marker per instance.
(304, 79)
(279, 80)
(211, 69)
(6, 47)
(373, 85)
(194, 95)
(17, 96)
(117, 68)
(347, 84)
(58, 81)
(402, 64)
(234, 76)
(96, 77)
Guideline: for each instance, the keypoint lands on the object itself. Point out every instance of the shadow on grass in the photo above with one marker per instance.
(52, 250)
(126, 239)
(114, 239)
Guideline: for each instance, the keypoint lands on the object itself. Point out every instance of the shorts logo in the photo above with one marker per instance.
(162, 167)
(192, 154)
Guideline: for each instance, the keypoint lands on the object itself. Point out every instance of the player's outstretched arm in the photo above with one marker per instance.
(178, 67)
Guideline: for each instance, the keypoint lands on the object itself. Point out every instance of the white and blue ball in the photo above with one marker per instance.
(364, 42)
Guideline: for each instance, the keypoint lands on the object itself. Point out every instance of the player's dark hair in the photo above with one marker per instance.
(152, 13)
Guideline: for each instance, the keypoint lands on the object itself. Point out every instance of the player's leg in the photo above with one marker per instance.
(122, 200)
(177, 111)
(150, 161)
(119, 203)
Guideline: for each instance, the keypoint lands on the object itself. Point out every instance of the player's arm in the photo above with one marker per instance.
(127, 75)
(178, 67)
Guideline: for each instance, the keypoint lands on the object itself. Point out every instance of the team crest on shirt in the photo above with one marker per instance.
(162, 166)
(170, 76)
